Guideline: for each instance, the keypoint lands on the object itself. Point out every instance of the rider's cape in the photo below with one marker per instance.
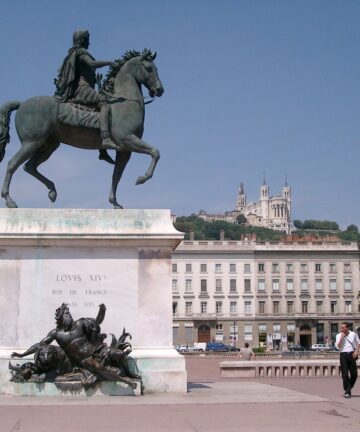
(66, 81)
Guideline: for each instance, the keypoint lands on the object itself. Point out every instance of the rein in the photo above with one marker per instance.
(111, 99)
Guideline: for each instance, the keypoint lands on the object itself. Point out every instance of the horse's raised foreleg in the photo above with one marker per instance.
(25, 152)
(38, 158)
(121, 160)
(135, 144)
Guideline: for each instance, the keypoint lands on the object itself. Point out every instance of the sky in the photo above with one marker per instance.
(251, 87)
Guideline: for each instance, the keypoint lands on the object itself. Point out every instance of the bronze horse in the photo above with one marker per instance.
(41, 133)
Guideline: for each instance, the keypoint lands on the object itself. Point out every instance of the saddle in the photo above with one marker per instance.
(77, 115)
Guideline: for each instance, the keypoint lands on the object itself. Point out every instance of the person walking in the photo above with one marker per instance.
(348, 343)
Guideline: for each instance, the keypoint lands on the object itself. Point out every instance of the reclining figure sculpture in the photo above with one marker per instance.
(81, 356)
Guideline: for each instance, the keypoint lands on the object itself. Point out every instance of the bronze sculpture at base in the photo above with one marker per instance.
(81, 357)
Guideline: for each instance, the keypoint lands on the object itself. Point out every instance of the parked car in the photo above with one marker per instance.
(200, 346)
(297, 348)
(220, 347)
(320, 347)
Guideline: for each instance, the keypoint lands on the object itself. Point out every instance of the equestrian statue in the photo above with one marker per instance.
(111, 118)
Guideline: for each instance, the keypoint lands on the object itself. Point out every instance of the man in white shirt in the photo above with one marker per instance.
(348, 343)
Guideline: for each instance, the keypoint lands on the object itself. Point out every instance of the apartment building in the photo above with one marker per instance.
(268, 294)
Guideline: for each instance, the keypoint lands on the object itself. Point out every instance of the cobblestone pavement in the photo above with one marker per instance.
(212, 404)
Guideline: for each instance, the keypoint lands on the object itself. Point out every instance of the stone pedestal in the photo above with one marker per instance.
(121, 258)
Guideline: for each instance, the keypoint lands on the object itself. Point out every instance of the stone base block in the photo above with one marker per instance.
(162, 370)
(105, 388)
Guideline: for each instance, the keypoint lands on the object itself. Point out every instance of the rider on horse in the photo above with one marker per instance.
(76, 83)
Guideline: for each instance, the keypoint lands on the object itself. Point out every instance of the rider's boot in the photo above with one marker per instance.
(104, 155)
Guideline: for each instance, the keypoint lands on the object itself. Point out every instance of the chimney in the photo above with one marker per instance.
(222, 235)
(192, 235)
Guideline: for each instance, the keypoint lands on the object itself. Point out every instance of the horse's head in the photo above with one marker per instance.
(143, 68)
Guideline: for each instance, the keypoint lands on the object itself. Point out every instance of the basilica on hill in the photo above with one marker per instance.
(270, 211)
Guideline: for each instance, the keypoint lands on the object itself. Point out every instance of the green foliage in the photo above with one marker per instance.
(211, 230)
(297, 224)
(241, 219)
(320, 225)
(259, 350)
(353, 228)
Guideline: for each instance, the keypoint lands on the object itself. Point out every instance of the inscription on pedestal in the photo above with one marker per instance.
(85, 289)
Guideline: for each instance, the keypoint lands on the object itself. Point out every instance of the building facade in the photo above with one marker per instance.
(267, 294)
(270, 211)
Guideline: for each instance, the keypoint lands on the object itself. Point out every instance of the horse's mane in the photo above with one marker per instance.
(107, 85)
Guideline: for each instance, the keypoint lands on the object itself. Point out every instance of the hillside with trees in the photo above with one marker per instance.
(211, 230)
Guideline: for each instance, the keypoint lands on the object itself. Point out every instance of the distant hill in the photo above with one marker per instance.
(211, 230)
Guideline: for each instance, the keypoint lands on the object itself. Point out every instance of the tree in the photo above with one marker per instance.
(353, 228)
(298, 224)
(241, 219)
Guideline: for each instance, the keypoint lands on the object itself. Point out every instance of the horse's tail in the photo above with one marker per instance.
(5, 112)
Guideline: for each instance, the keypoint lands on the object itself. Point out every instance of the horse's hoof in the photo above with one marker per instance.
(52, 196)
(141, 180)
(10, 203)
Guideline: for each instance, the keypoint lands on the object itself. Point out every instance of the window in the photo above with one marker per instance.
(247, 285)
(332, 268)
(348, 307)
(247, 307)
(218, 285)
(289, 268)
(188, 268)
(219, 307)
(275, 307)
(303, 268)
(188, 285)
(347, 268)
(261, 285)
(276, 328)
(318, 284)
(174, 308)
(290, 307)
(233, 308)
(332, 284)
(289, 285)
(262, 328)
(320, 333)
(318, 267)
(275, 267)
(290, 328)
(188, 307)
(304, 284)
(247, 268)
(174, 285)
(333, 307)
(232, 268)
(319, 306)
(304, 307)
(203, 307)
(203, 268)
(217, 268)
(219, 333)
(261, 267)
(189, 334)
(203, 285)
(347, 285)
(248, 332)
(261, 307)
(275, 285)
(232, 285)
(174, 268)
